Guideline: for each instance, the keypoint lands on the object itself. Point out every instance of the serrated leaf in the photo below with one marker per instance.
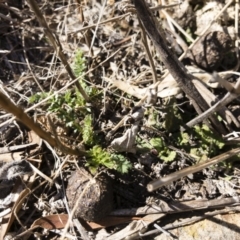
(87, 130)
(168, 156)
(122, 164)
(184, 138)
(157, 143)
(143, 145)
(79, 63)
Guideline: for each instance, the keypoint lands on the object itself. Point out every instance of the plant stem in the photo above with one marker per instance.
(57, 45)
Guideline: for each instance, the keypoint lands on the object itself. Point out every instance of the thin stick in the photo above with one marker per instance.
(145, 44)
(186, 171)
(97, 26)
(10, 107)
(178, 26)
(119, 18)
(175, 67)
(58, 91)
(100, 23)
(57, 45)
(230, 96)
(236, 28)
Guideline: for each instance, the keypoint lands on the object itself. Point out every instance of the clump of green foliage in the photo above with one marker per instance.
(70, 106)
(71, 109)
(200, 142)
(79, 67)
(38, 97)
(206, 143)
(87, 131)
(97, 156)
(79, 64)
(170, 118)
(164, 152)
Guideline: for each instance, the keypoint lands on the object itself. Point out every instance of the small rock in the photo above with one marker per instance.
(96, 195)
(210, 50)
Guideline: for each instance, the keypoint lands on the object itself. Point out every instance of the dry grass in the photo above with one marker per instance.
(133, 94)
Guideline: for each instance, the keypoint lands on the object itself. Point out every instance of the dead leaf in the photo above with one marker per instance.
(56, 221)
(18, 199)
(128, 88)
(34, 138)
(126, 143)
(135, 226)
(111, 221)
(168, 86)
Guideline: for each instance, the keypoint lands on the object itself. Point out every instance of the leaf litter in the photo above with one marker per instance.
(121, 137)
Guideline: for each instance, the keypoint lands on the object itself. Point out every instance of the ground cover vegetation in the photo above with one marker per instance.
(112, 105)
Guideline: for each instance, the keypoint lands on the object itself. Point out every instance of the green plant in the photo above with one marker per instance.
(208, 144)
(38, 97)
(200, 142)
(172, 116)
(79, 67)
(97, 156)
(70, 106)
(164, 152)
(87, 130)
(79, 63)
(122, 165)
(71, 109)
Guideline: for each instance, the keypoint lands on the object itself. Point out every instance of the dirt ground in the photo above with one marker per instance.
(119, 119)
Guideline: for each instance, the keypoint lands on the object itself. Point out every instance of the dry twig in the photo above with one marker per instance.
(57, 45)
(230, 96)
(10, 107)
(186, 171)
(175, 67)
